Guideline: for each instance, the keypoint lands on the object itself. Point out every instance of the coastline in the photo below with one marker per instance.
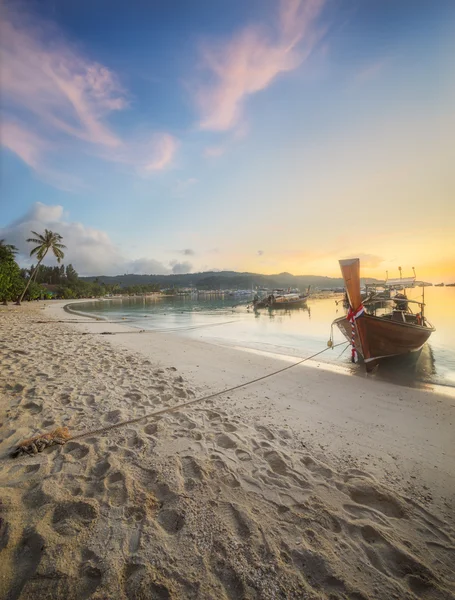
(389, 408)
(275, 490)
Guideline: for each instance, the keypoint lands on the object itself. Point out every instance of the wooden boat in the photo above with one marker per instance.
(282, 299)
(395, 333)
(288, 301)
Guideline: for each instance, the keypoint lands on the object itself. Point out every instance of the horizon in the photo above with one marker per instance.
(265, 138)
(249, 273)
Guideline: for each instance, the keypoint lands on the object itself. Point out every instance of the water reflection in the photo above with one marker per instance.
(272, 313)
(409, 369)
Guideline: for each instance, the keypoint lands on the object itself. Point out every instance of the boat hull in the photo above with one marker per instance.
(297, 303)
(378, 338)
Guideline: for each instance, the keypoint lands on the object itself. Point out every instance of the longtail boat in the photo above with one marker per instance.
(288, 301)
(394, 333)
(282, 299)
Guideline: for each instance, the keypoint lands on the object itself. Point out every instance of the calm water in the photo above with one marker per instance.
(296, 332)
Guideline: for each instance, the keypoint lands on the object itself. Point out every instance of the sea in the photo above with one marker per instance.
(291, 334)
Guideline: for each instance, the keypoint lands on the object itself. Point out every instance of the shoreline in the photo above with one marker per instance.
(232, 365)
(440, 387)
(308, 485)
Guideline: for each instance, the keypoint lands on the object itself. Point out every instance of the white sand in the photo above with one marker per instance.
(310, 484)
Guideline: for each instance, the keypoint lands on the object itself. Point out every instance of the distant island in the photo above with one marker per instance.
(223, 280)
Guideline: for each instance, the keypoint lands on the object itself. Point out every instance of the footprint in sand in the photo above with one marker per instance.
(140, 582)
(192, 472)
(229, 579)
(276, 463)
(27, 558)
(135, 396)
(382, 501)
(390, 560)
(89, 400)
(134, 513)
(69, 518)
(90, 574)
(116, 489)
(212, 415)
(76, 450)
(33, 407)
(265, 432)
(171, 520)
(113, 416)
(229, 427)
(224, 441)
(317, 468)
(364, 512)
(236, 520)
(151, 429)
(101, 468)
(243, 455)
(318, 572)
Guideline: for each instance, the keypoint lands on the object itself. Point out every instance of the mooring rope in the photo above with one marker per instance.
(199, 400)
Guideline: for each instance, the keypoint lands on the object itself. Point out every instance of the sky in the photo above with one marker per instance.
(263, 136)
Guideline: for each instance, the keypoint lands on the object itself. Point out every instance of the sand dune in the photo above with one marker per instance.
(203, 503)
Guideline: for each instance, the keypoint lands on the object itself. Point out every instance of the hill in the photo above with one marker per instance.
(221, 280)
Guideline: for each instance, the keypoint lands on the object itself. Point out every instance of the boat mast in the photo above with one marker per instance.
(422, 308)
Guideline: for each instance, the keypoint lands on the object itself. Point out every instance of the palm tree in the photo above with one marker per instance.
(47, 241)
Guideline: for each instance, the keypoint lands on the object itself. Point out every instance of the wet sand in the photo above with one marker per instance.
(310, 484)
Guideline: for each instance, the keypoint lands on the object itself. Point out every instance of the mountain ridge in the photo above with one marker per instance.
(224, 280)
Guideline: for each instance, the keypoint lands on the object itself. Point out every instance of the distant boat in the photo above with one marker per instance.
(395, 333)
(283, 299)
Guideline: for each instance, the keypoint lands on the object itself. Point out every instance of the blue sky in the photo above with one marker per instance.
(261, 135)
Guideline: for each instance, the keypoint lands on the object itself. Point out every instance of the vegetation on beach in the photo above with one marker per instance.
(43, 282)
(11, 282)
(49, 240)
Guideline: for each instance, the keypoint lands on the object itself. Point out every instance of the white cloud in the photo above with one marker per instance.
(179, 268)
(89, 250)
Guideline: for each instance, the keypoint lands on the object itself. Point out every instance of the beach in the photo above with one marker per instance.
(309, 484)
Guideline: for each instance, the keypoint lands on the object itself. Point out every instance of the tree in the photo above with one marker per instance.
(71, 274)
(10, 273)
(47, 241)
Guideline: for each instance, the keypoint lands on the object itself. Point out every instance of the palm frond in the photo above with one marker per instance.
(58, 253)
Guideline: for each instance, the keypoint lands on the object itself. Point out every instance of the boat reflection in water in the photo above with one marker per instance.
(409, 369)
(269, 312)
(395, 333)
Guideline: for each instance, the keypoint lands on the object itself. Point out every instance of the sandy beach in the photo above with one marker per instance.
(309, 485)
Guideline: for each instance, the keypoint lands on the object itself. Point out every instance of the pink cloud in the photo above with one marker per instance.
(251, 61)
(52, 95)
(31, 148)
(162, 154)
(44, 75)
(22, 142)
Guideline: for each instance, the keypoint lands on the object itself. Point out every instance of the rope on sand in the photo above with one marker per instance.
(32, 447)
